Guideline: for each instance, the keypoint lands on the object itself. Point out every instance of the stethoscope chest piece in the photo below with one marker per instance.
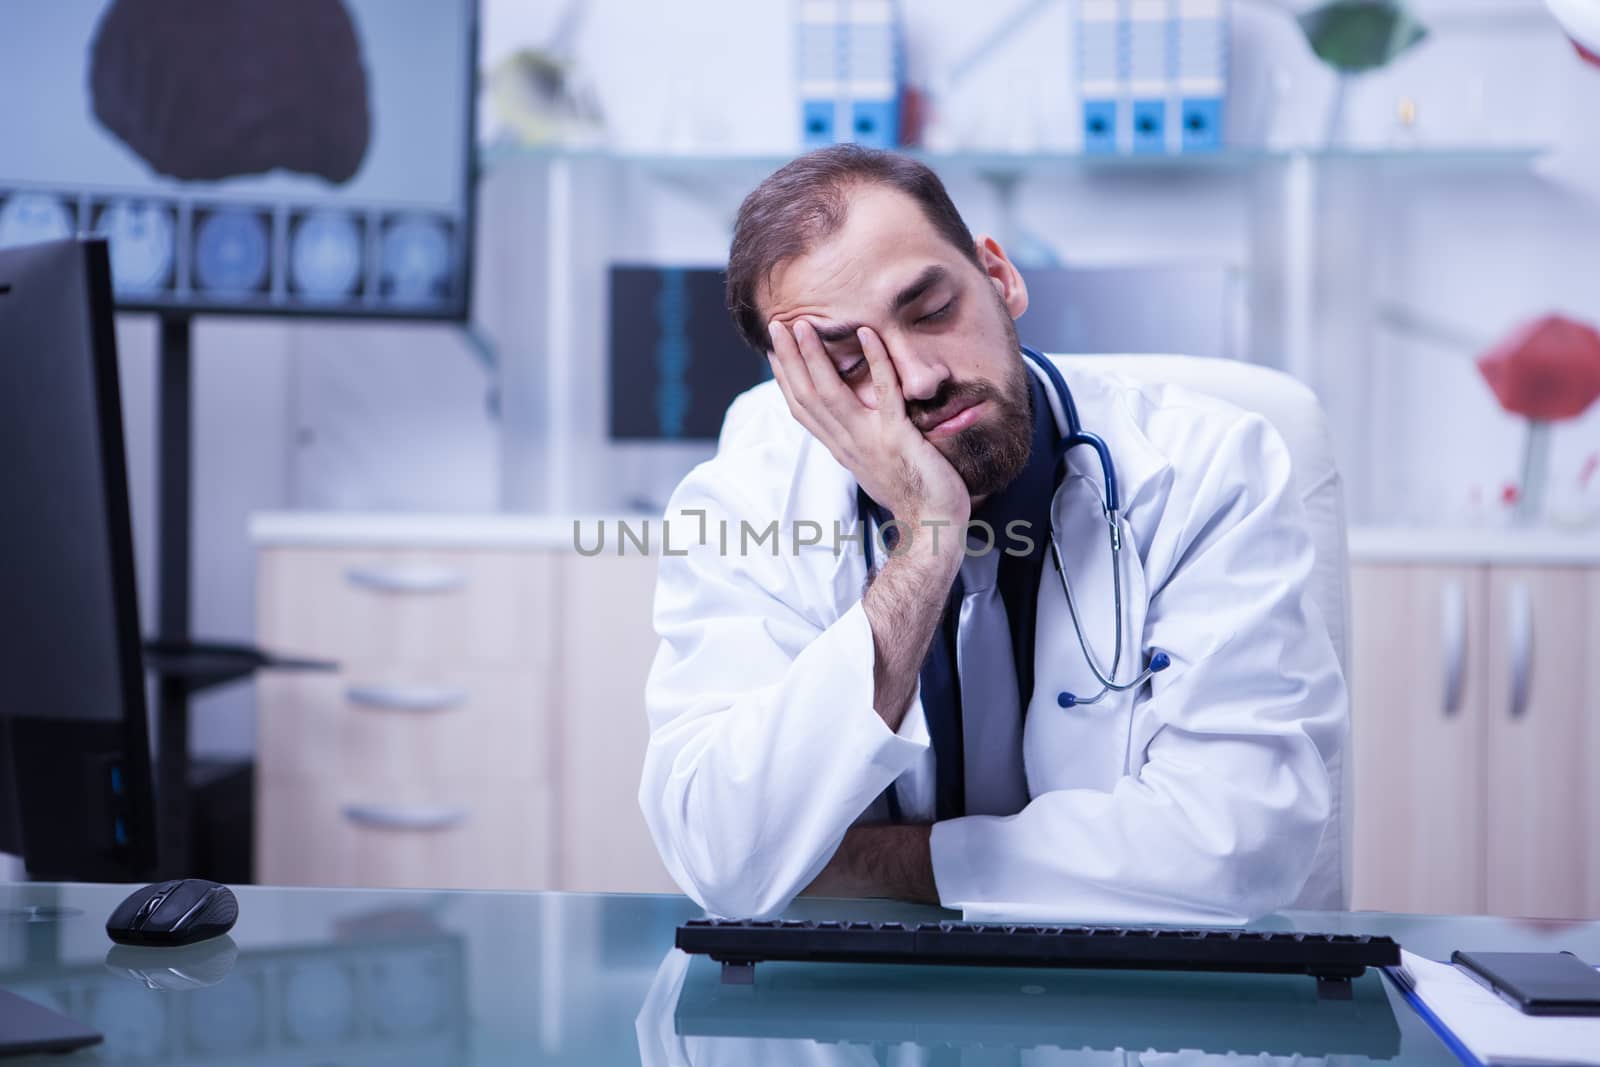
(1086, 550)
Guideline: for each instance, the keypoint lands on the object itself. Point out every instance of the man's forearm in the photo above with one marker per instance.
(881, 861)
(903, 606)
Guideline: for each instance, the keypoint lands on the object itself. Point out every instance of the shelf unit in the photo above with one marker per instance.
(1310, 218)
(1445, 156)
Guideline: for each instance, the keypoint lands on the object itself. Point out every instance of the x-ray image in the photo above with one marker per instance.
(232, 251)
(168, 78)
(325, 255)
(26, 218)
(262, 156)
(143, 243)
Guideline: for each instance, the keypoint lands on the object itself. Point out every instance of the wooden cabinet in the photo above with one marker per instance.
(1417, 738)
(1475, 702)
(458, 607)
(1542, 819)
(485, 728)
(454, 833)
(397, 722)
(609, 644)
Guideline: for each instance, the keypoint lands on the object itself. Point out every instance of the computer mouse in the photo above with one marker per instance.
(168, 914)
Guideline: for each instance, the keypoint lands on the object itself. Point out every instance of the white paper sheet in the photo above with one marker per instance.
(1494, 1031)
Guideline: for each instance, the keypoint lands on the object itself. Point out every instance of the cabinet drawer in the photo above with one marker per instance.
(400, 723)
(455, 834)
(389, 605)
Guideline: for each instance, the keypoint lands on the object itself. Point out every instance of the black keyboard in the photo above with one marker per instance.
(1333, 959)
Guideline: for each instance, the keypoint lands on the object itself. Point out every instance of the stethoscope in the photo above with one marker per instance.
(1111, 504)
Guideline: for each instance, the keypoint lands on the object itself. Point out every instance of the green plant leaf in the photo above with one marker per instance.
(1352, 36)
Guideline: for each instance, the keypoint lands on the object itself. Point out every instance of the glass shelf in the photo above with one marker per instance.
(1305, 230)
(1426, 157)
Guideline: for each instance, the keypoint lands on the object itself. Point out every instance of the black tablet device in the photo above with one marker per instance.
(26, 1027)
(1536, 983)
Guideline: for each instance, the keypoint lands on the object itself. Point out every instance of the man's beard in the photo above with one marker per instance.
(990, 455)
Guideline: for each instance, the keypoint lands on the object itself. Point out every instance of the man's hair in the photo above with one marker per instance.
(808, 199)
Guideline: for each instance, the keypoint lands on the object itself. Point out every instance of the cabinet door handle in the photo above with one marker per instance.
(406, 698)
(382, 817)
(1520, 624)
(415, 579)
(1453, 637)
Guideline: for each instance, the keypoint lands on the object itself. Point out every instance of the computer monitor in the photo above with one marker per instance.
(281, 157)
(75, 784)
(677, 362)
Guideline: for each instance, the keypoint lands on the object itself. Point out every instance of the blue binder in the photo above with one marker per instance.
(850, 67)
(1102, 67)
(1152, 75)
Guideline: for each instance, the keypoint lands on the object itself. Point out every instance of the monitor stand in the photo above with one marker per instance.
(174, 461)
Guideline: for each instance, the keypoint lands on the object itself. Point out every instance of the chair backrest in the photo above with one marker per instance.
(1294, 411)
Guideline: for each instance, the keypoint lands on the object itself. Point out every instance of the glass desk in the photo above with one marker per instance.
(353, 977)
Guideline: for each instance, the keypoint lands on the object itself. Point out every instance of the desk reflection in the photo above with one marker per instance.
(374, 998)
(354, 977)
(821, 1014)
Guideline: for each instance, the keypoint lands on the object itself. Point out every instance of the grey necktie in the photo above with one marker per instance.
(991, 710)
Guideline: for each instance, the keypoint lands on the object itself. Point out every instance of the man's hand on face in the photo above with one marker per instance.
(897, 466)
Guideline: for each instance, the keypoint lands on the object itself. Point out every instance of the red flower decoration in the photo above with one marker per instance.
(1547, 369)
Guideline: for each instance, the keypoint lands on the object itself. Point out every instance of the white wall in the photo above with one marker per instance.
(1479, 246)
(395, 417)
(240, 457)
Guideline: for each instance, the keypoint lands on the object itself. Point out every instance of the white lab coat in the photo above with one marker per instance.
(1206, 797)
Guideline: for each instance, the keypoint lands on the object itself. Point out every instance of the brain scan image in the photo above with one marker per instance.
(325, 256)
(28, 218)
(143, 239)
(167, 80)
(265, 157)
(416, 260)
(231, 251)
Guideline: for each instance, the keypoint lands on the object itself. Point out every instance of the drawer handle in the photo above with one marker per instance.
(406, 698)
(380, 817)
(418, 579)
(1520, 623)
(1453, 622)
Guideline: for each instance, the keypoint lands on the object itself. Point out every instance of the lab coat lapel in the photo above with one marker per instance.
(1083, 746)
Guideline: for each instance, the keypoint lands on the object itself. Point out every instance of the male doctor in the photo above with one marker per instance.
(819, 729)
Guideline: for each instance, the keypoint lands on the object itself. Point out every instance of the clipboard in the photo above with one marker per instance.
(1484, 1031)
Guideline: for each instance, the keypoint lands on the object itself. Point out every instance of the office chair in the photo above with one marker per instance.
(1294, 412)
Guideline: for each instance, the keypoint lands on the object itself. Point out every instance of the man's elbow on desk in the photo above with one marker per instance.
(737, 890)
(728, 878)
